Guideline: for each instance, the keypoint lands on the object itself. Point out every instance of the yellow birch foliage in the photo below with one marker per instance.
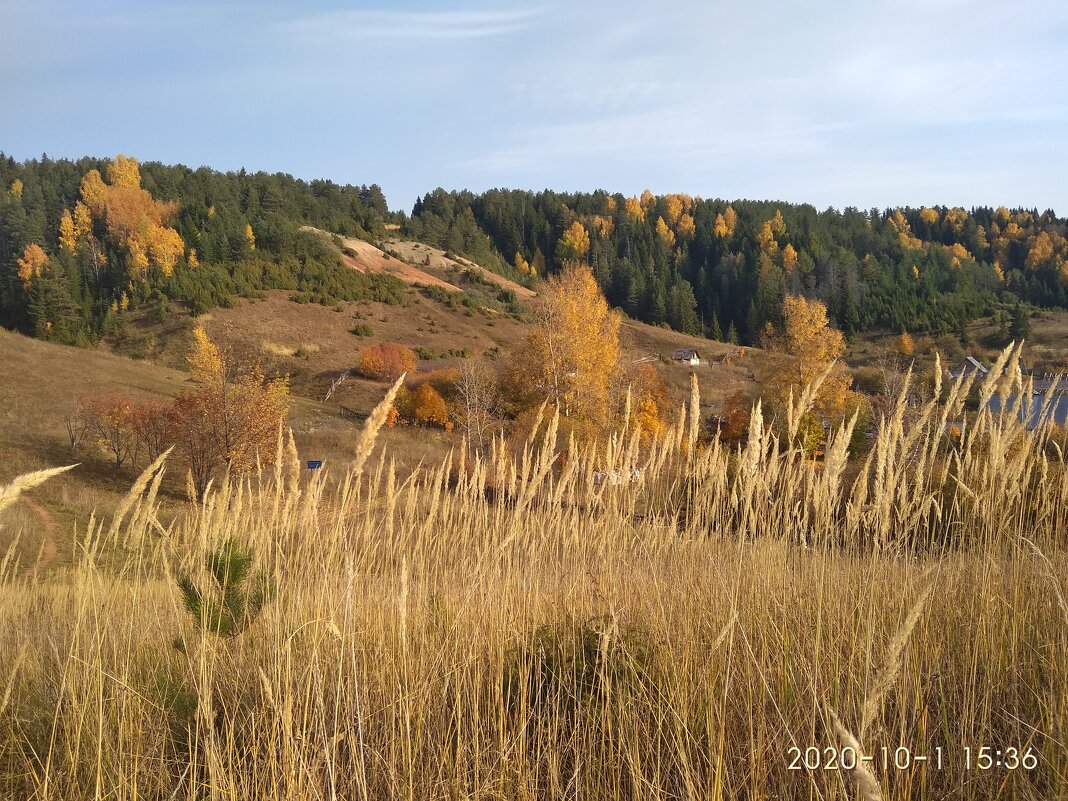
(165, 247)
(16, 188)
(789, 258)
(250, 238)
(574, 244)
(778, 224)
(124, 173)
(572, 352)
(807, 346)
(238, 410)
(33, 261)
(664, 232)
(204, 359)
(674, 204)
(1040, 253)
(765, 237)
(958, 254)
(686, 228)
(68, 240)
(930, 216)
(83, 221)
(94, 192)
(725, 223)
(634, 210)
(955, 218)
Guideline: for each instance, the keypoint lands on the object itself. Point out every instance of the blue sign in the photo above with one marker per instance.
(315, 464)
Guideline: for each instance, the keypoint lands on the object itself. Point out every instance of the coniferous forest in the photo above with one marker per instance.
(80, 241)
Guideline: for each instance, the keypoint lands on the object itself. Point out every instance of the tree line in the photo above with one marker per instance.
(723, 269)
(83, 241)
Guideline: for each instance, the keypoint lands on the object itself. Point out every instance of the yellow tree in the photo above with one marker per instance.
(574, 244)
(725, 223)
(133, 218)
(67, 238)
(32, 263)
(521, 265)
(250, 238)
(234, 406)
(165, 246)
(906, 345)
(571, 356)
(1040, 253)
(789, 258)
(807, 347)
(124, 173)
(16, 189)
(634, 210)
(664, 232)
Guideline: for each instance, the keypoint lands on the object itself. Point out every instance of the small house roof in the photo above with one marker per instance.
(685, 354)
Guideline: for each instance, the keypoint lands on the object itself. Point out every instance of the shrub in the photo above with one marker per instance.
(428, 407)
(386, 362)
(362, 330)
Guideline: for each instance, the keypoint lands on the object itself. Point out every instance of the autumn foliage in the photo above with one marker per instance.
(807, 349)
(132, 218)
(571, 356)
(386, 361)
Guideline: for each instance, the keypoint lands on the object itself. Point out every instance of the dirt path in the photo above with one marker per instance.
(49, 534)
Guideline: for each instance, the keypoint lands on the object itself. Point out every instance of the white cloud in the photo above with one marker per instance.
(376, 25)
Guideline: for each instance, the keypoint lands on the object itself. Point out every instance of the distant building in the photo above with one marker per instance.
(969, 366)
(687, 355)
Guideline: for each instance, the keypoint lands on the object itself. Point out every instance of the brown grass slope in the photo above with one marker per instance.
(671, 638)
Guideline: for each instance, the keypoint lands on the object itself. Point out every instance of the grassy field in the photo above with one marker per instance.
(662, 623)
(41, 381)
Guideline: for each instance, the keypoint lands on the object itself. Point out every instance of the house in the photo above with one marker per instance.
(969, 366)
(1031, 414)
(1044, 384)
(687, 355)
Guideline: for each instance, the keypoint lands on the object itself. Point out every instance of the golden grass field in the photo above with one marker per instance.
(646, 623)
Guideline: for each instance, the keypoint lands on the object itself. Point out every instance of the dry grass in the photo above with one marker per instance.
(503, 630)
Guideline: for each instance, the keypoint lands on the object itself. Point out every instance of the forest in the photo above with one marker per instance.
(80, 241)
(723, 268)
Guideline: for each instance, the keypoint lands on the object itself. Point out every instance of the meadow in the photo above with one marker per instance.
(655, 622)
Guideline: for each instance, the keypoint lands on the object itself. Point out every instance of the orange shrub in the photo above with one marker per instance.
(386, 362)
(428, 407)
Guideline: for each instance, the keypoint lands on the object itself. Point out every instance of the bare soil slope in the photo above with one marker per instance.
(366, 258)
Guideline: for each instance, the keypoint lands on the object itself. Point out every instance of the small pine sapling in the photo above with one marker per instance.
(232, 603)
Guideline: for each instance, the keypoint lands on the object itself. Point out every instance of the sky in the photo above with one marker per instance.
(835, 103)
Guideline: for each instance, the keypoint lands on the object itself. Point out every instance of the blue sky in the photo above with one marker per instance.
(834, 103)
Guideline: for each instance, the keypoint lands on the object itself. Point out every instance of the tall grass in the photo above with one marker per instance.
(504, 628)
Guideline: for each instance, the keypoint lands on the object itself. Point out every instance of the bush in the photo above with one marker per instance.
(386, 362)
(362, 330)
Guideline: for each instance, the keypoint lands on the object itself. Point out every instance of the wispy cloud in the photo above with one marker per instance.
(377, 25)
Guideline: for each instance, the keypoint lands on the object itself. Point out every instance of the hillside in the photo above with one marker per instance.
(82, 241)
(311, 343)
